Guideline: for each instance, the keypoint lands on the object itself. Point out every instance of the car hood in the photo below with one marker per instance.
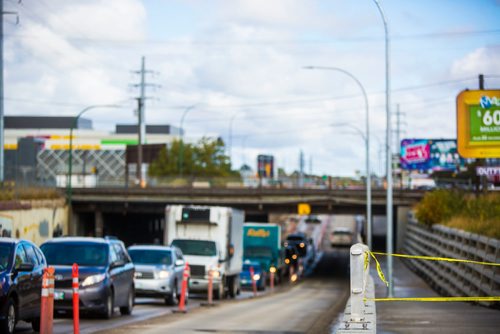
(151, 267)
(65, 272)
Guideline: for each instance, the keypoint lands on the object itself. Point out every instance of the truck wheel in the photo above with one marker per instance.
(233, 287)
(219, 292)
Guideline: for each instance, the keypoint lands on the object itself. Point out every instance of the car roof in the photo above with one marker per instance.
(151, 247)
(13, 241)
(78, 239)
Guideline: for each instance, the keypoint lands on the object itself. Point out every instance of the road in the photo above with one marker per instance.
(307, 306)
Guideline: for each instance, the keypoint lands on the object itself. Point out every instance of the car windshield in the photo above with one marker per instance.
(295, 238)
(151, 256)
(84, 254)
(196, 247)
(256, 267)
(5, 254)
(257, 252)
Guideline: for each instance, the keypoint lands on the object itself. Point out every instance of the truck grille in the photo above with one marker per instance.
(197, 270)
(144, 275)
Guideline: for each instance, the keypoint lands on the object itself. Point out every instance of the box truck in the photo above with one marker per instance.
(262, 243)
(211, 239)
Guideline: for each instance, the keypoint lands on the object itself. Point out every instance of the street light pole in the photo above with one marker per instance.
(367, 149)
(181, 147)
(69, 190)
(389, 239)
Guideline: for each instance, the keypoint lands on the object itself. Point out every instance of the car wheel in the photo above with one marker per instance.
(127, 310)
(8, 324)
(110, 306)
(173, 299)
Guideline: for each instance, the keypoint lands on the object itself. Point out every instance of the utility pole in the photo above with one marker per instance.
(398, 141)
(141, 123)
(301, 169)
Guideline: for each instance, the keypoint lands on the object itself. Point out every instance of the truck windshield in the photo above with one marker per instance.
(196, 247)
(257, 252)
(150, 256)
(85, 254)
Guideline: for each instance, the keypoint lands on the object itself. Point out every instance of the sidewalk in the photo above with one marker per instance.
(427, 317)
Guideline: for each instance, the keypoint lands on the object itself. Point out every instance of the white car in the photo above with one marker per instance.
(158, 272)
(341, 237)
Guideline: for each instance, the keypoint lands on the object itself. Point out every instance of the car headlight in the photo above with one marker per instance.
(215, 273)
(94, 279)
(302, 245)
(287, 261)
(256, 277)
(294, 256)
(163, 274)
(272, 269)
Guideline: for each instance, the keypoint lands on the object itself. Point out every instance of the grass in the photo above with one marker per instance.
(13, 193)
(476, 214)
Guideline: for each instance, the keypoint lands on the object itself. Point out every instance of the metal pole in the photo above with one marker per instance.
(230, 137)
(69, 189)
(367, 149)
(141, 121)
(181, 147)
(389, 239)
(138, 172)
(1, 97)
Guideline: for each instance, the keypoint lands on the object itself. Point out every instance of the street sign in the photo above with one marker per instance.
(304, 209)
(478, 123)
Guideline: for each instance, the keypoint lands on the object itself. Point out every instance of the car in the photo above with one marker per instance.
(106, 274)
(158, 272)
(299, 240)
(341, 237)
(22, 265)
(259, 275)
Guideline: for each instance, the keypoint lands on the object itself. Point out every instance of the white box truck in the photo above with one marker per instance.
(211, 239)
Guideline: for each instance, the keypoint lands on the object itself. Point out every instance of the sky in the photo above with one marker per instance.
(240, 64)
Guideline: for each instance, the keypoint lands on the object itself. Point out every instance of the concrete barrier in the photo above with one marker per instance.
(454, 279)
(360, 316)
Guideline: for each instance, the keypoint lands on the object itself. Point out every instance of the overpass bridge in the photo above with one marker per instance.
(137, 214)
(252, 200)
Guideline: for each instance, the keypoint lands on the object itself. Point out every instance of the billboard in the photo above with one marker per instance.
(478, 123)
(430, 155)
(265, 166)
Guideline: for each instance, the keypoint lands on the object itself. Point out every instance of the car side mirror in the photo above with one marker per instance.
(118, 263)
(25, 266)
(179, 263)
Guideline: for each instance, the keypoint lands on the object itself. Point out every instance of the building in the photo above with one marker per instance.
(37, 150)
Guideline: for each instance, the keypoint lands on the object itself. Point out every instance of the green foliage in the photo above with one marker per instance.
(476, 214)
(439, 206)
(203, 159)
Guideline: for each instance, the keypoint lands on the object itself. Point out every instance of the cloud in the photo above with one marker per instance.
(483, 60)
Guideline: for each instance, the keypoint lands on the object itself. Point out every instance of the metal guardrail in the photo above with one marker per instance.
(360, 315)
(454, 279)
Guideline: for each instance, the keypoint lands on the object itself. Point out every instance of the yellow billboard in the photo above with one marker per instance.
(478, 123)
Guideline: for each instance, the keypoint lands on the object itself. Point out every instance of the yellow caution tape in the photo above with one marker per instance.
(379, 270)
(436, 299)
(433, 258)
(367, 261)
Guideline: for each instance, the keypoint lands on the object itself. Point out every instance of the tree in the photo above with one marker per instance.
(205, 158)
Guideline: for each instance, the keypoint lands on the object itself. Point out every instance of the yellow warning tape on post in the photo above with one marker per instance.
(430, 299)
(379, 270)
(433, 258)
(435, 299)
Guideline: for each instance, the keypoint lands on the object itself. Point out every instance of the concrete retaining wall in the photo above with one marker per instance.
(35, 220)
(449, 278)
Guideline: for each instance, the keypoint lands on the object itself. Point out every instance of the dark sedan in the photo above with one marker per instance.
(21, 271)
(106, 274)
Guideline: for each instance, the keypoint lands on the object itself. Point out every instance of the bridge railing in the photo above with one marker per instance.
(360, 313)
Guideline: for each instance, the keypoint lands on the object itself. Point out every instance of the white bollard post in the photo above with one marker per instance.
(357, 282)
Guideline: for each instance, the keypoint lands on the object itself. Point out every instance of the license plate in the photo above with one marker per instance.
(58, 295)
